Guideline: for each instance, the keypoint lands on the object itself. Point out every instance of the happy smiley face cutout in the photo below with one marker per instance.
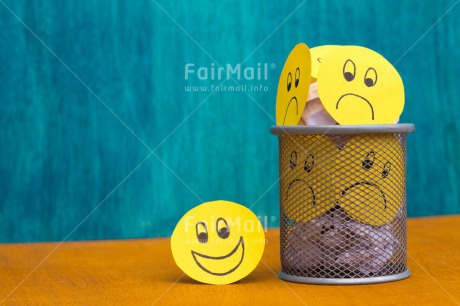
(307, 189)
(359, 86)
(218, 242)
(293, 86)
(317, 56)
(369, 178)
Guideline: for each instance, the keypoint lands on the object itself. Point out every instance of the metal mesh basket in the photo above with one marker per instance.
(343, 203)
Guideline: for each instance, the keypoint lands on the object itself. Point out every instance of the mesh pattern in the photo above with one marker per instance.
(343, 205)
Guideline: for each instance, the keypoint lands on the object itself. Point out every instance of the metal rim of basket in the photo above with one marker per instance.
(404, 128)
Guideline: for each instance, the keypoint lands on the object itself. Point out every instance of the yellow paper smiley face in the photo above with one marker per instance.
(359, 86)
(317, 56)
(293, 86)
(218, 242)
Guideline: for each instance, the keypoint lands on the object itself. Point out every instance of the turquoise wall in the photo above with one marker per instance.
(99, 138)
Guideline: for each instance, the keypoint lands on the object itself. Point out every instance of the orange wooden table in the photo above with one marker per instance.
(142, 272)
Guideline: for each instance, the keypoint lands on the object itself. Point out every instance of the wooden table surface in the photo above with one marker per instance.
(142, 272)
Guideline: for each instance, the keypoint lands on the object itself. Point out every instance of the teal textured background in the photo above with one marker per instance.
(99, 138)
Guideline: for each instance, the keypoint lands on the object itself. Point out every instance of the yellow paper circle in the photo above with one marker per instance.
(307, 185)
(317, 56)
(359, 86)
(369, 178)
(218, 242)
(293, 86)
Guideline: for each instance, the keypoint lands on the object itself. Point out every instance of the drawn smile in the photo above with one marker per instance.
(213, 263)
(369, 184)
(357, 96)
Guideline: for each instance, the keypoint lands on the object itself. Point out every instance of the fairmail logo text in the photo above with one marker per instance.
(227, 72)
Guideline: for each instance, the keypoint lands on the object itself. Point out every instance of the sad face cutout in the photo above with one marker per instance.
(369, 178)
(307, 187)
(218, 242)
(359, 86)
(317, 56)
(293, 86)
(365, 177)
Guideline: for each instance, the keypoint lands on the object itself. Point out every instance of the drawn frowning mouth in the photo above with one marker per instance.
(313, 196)
(369, 184)
(357, 96)
(201, 259)
(287, 108)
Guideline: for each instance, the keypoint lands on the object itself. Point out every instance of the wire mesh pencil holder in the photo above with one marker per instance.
(343, 203)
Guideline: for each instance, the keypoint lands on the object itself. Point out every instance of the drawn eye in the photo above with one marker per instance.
(349, 70)
(370, 78)
(319, 59)
(222, 228)
(309, 163)
(202, 232)
(297, 77)
(293, 160)
(386, 169)
(289, 81)
(369, 160)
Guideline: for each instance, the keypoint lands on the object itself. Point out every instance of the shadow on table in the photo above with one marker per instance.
(250, 279)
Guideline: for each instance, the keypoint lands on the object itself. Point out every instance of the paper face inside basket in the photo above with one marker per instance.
(369, 177)
(306, 189)
(363, 174)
